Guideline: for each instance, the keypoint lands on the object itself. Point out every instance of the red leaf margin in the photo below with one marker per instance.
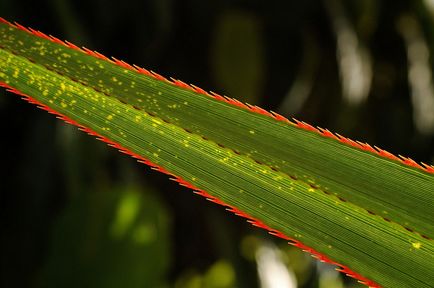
(255, 222)
(252, 108)
(255, 109)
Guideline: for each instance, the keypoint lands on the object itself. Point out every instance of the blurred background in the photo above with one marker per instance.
(76, 213)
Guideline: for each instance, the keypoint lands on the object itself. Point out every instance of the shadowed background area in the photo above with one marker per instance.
(75, 213)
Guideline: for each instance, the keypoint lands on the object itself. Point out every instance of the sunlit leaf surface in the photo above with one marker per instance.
(363, 208)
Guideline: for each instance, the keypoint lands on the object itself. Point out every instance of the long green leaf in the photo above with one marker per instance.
(364, 208)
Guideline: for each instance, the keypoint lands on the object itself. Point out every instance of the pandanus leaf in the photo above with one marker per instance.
(347, 203)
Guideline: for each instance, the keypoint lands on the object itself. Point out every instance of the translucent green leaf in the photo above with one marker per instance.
(364, 208)
(100, 232)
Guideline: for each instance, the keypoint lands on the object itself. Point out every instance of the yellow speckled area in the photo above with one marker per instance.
(270, 170)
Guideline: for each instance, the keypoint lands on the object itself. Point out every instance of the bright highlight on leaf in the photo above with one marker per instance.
(347, 203)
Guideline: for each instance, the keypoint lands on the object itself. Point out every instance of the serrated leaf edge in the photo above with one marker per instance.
(255, 222)
(252, 108)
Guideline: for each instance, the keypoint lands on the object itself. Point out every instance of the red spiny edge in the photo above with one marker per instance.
(255, 109)
(255, 222)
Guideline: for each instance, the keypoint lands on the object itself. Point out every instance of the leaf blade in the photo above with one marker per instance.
(191, 156)
(383, 189)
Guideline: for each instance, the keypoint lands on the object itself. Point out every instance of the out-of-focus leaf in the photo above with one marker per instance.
(238, 56)
(113, 238)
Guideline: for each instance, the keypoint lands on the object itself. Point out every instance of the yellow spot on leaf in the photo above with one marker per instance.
(156, 121)
(416, 245)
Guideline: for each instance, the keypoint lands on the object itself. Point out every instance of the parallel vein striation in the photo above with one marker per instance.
(247, 170)
(381, 186)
